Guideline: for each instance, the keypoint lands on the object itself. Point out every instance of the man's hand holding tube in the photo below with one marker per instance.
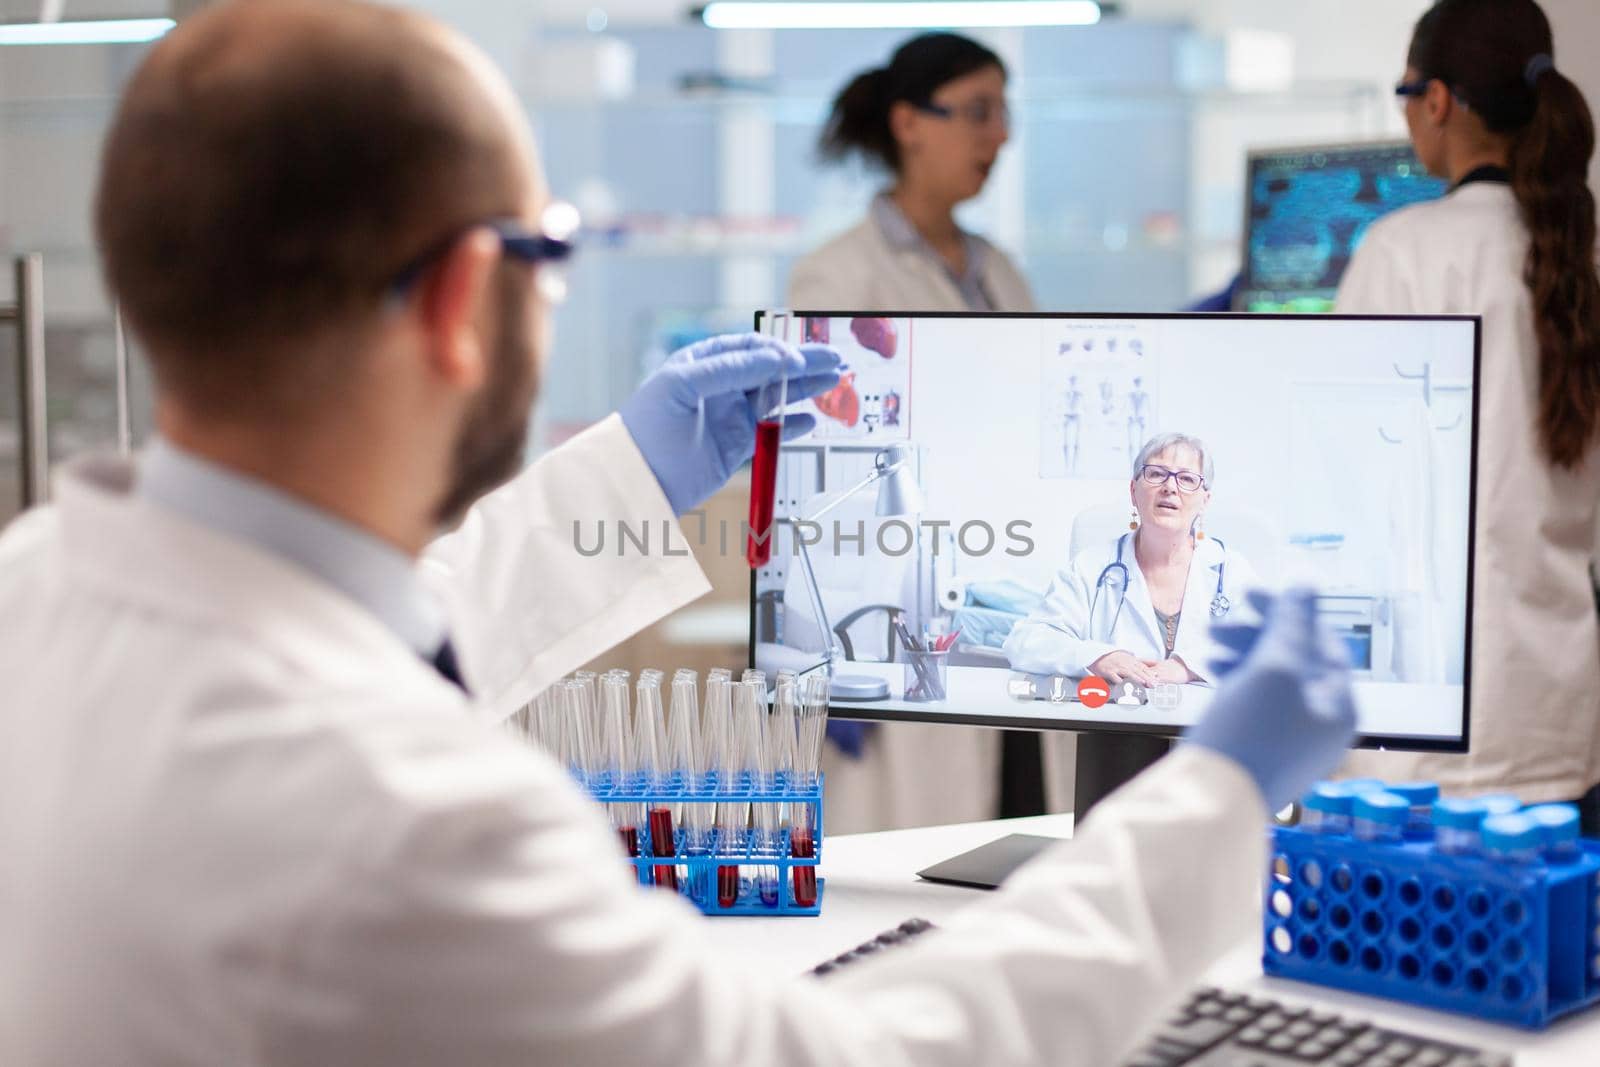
(1283, 709)
(694, 419)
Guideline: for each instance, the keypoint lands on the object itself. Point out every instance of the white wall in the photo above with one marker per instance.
(1576, 24)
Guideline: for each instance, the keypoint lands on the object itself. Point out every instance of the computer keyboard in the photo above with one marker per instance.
(1219, 1028)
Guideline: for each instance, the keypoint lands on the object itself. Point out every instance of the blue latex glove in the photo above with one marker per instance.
(1219, 301)
(692, 457)
(1283, 710)
(850, 736)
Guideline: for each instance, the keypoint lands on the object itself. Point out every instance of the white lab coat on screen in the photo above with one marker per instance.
(914, 775)
(1535, 679)
(243, 823)
(1079, 620)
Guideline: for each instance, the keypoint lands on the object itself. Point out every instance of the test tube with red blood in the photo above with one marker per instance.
(744, 766)
(716, 734)
(650, 742)
(810, 726)
(770, 402)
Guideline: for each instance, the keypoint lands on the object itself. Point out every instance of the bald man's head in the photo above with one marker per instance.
(272, 166)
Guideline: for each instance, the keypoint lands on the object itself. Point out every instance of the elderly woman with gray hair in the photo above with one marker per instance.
(1139, 609)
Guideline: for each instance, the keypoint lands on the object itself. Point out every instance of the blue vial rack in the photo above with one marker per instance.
(697, 879)
(1512, 943)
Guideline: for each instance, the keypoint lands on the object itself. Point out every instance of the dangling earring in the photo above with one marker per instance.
(1133, 518)
(1199, 530)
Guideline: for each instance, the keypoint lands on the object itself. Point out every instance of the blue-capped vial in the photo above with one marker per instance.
(1380, 817)
(1357, 786)
(1558, 823)
(1514, 838)
(1421, 796)
(1500, 803)
(1326, 809)
(1458, 826)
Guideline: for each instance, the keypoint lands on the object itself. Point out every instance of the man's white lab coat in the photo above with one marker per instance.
(244, 824)
(1535, 647)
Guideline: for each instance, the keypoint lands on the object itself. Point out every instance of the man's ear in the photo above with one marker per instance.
(453, 300)
(1438, 103)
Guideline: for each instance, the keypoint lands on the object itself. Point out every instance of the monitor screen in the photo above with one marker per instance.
(1306, 212)
(1034, 520)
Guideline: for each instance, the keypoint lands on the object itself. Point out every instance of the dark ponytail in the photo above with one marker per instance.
(1496, 55)
(859, 121)
(1550, 176)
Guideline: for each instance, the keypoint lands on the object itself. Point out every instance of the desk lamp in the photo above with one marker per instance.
(898, 494)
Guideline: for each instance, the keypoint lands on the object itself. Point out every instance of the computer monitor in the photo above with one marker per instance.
(974, 476)
(1306, 210)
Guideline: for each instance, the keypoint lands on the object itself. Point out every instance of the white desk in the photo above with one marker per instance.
(871, 886)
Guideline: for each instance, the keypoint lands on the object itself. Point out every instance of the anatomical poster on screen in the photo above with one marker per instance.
(1096, 399)
(873, 401)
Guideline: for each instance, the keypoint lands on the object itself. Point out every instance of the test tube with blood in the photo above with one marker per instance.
(770, 402)
(812, 724)
(650, 742)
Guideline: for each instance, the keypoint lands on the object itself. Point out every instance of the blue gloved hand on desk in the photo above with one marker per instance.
(692, 458)
(850, 736)
(1283, 709)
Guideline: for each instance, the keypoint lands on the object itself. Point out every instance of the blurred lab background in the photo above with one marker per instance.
(690, 152)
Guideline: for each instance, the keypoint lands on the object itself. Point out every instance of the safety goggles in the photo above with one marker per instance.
(1154, 474)
(1404, 91)
(548, 248)
(980, 112)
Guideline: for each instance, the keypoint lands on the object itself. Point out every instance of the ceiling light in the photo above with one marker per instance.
(102, 31)
(896, 14)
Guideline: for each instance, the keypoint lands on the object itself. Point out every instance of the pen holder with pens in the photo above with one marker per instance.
(927, 674)
(1510, 942)
(728, 866)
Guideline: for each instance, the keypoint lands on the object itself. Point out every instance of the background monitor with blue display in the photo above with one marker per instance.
(1307, 210)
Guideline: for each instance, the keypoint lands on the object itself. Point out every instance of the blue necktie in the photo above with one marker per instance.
(444, 661)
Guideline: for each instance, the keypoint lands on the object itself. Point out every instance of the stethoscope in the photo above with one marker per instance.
(1220, 604)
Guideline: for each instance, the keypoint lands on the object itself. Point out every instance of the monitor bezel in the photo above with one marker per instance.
(1252, 156)
(1392, 742)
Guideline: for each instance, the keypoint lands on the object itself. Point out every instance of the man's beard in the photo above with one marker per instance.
(489, 448)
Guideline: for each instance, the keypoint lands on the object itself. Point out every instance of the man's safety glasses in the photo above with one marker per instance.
(1154, 474)
(548, 248)
(1407, 90)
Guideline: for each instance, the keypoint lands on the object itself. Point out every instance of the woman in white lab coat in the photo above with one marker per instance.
(1513, 241)
(1140, 608)
(936, 119)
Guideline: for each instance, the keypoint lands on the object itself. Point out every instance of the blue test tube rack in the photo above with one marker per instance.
(1512, 943)
(697, 881)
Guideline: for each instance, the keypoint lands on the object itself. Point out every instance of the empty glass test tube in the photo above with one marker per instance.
(617, 755)
(685, 754)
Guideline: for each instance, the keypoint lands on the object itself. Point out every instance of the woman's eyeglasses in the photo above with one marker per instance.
(1155, 474)
(979, 112)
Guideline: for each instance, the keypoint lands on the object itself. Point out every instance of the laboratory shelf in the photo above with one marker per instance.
(1509, 942)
